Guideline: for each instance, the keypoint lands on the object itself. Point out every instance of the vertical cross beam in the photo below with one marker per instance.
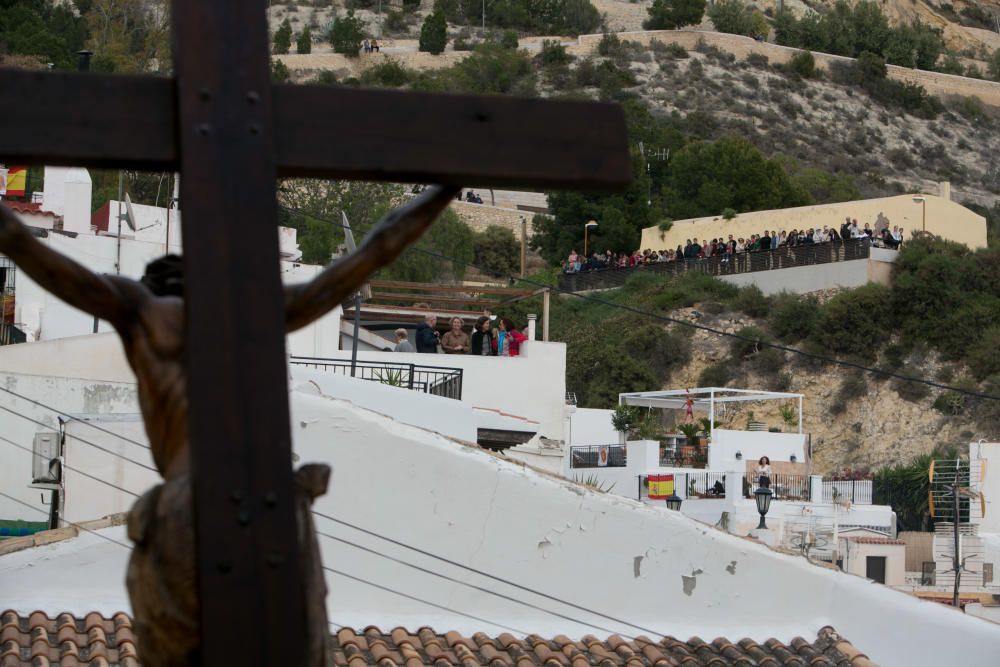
(252, 610)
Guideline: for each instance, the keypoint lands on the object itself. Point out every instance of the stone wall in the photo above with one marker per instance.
(936, 83)
(481, 216)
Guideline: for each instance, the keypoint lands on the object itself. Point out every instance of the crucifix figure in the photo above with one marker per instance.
(211, 366)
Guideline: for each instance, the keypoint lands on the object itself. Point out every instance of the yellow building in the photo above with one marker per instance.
(938, 215)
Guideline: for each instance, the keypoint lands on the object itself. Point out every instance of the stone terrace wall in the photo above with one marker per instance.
(481, 216)
(936, 83)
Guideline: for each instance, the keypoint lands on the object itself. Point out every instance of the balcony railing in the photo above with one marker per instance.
(857, 491)
(784, 487)
(436, 380)
(614, 456)
(722, 265)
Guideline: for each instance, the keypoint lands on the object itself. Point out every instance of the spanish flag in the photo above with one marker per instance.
(15, 182)
(661, 486)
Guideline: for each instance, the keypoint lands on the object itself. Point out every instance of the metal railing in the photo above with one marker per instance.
(857, 491)
(692, 485)
(722, 265)
(436, 380)
(9, 335)
(784, 487)
(684, 456)
(590, 456)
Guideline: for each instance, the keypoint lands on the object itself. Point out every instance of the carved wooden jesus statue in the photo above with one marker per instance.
(149, 317)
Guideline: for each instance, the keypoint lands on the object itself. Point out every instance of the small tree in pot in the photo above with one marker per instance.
(625, 419)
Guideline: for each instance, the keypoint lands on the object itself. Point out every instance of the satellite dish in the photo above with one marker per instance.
(129, 215)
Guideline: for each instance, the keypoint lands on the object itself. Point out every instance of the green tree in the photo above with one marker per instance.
(283, 37)
(434, 33)
(279, 72)
(305, 42)
(707, 177)
(497, 250)
(346, 35)
(673, 14)
(732, 16)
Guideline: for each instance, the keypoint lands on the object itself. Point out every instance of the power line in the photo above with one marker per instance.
(468, 568)
(472, 586)
(75, 525)
(86, 442)
(72, 418)
(70, 468)
(423, 601)
(671, 320)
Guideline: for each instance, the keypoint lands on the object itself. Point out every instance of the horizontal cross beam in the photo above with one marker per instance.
(131, 121)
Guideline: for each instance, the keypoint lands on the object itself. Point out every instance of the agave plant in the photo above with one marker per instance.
(393, 378)
(593, 482)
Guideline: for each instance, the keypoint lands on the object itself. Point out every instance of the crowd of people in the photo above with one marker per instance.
(880, 236)
(485, 340)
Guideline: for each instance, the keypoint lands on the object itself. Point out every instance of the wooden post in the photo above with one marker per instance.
(545, 315)
(524, 246)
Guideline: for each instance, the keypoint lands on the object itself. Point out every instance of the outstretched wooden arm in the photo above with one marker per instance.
(102, 296)
(307, 302)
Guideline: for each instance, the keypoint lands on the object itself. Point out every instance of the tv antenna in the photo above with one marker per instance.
(954, 499)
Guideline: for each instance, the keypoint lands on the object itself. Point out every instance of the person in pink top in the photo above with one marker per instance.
(507, 341)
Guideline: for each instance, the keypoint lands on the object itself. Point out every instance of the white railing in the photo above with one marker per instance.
(858, 491)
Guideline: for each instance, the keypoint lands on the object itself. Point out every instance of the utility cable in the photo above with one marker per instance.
(75, 525)
(423, 601)
(70, 468)
(663, 318)
(86, 442)
(472, 586)
(72, 418)
(485, 574)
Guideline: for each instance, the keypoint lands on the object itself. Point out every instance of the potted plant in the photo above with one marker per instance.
(624, 419)
(707, 426)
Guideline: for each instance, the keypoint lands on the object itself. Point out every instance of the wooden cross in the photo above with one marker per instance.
(220, 123)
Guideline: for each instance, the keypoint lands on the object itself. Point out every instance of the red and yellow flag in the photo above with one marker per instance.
(15, 182)
(661, 486)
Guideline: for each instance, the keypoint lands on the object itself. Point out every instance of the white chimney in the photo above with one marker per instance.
(532, 320)
(945, 190)
(67, 192)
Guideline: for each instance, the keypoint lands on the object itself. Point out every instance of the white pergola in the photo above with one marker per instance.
(704, 399)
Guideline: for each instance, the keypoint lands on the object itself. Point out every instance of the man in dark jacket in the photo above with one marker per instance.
(427, 337)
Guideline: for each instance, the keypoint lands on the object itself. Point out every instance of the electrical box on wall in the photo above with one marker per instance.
(45, 462)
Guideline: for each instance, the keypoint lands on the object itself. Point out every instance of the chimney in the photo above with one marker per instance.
(532, 319)
(945, 190)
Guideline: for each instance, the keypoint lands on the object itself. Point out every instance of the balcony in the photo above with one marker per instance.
(598, 456)
(436, 380)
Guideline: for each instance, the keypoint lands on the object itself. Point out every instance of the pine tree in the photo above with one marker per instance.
(434, 33)
(283, 37)
(346, 35)
(305, 43)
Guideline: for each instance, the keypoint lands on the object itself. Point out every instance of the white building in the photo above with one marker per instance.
(524, 552)
(715, 479)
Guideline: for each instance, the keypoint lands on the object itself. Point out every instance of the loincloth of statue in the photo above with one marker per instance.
(163, 570)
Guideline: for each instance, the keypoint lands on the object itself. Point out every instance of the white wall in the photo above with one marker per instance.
(85, 498)
(589, 426)
(531, 385)
(73, 396)
(856, 555)
(753, 445)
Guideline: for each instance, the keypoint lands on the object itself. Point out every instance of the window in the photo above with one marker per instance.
(875, 568)
(987, 573)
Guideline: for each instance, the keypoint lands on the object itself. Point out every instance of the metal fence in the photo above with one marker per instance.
(437, 380)
(784, 487)
(858, 491)
(590, 456)
(695, 485)
(723, 265)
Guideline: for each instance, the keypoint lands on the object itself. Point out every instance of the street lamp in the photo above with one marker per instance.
(586, 228)
(673, 502)
(923, 205)
(763, 497)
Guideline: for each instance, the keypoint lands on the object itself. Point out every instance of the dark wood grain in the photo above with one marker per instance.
(250, 584)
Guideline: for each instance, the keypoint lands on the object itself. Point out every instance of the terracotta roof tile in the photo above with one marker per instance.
(874, 540)
(36, 640)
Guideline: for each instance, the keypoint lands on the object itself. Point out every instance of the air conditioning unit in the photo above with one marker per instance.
(45, 462)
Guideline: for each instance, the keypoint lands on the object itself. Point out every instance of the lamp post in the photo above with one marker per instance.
(923, 206)
(586, 229)
(763, 497)
(673, 502)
